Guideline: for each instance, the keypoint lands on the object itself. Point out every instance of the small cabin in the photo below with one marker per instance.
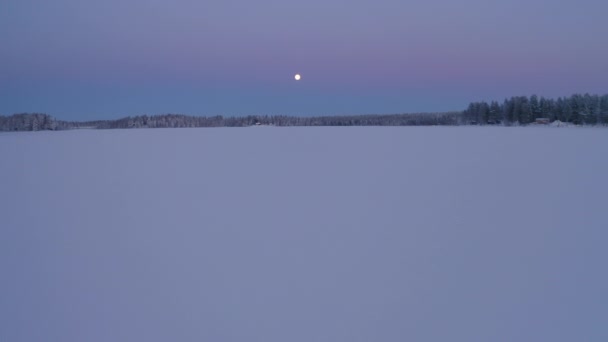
(543, 121)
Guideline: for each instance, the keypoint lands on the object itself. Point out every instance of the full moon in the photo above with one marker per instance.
(297, 77)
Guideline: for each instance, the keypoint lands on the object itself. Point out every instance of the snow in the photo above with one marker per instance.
(558, 123)
(304, 234)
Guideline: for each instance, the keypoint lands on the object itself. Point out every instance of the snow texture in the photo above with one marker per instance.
(304, 234)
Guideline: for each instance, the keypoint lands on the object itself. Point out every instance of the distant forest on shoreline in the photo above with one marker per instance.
(520, 110)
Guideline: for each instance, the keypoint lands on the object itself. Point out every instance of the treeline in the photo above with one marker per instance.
(24, 122)
(28, 122)
(175, 121)
(577, 109)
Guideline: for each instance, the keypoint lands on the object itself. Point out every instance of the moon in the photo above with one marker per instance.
(297, 77)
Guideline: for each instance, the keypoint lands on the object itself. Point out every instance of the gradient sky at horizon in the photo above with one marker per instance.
(85, 60)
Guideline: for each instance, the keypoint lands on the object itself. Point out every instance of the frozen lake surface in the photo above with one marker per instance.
(305, 234)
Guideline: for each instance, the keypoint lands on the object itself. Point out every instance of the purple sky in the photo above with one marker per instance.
(84, 60)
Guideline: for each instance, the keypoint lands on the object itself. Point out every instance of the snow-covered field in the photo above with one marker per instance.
(305, 234)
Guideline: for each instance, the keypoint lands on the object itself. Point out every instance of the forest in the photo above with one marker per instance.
(576, 109)
(519, 110)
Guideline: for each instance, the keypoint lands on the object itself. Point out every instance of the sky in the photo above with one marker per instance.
(83, 60)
